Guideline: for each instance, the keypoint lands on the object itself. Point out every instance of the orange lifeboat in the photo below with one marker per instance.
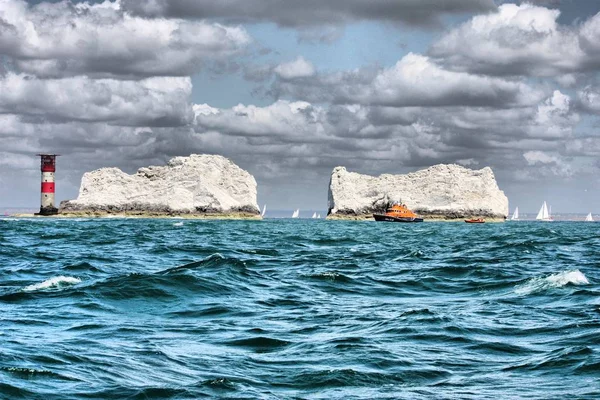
(398, 213)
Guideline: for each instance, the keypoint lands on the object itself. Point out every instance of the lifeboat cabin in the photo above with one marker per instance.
(398, 213)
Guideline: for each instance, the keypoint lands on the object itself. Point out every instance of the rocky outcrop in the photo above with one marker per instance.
(438, 192)
(201, 185)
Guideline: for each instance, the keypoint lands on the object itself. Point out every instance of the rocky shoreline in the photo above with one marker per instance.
(426, 218)
(145, 214)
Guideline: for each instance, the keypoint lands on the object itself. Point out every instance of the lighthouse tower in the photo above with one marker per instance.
(48, 167)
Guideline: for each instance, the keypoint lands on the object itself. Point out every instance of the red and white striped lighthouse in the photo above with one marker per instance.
(48, 167)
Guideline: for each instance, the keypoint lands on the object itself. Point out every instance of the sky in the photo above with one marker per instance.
(290, 89)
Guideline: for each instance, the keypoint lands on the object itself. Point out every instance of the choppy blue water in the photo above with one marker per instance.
(156, 309)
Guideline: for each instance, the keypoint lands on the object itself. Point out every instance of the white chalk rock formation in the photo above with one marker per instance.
(198, 184)
(441, 191)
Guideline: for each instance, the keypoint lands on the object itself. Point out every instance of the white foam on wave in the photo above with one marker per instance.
(178, 224)
(575, 277)
(53, 283)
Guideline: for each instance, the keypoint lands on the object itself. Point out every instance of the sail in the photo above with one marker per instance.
(314, 215)
(543, 213)
(589, 218)
(263, 211)
(515, 215)
(296, 213)
(318, 216)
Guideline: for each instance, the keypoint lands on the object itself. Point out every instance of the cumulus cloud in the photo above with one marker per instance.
(548, 124)
(583, 147)
(160, 101)
(539, 157)
(415, 80)
(521, 40)
(291, 122)
(332, 133)
(62, 39)
(375, 137)
(554, 117)
(292, 13)
(299, 68)
(298, 121)
(589, 99)
(547, 164)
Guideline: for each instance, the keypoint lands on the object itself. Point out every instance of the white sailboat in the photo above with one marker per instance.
(515, 216)
(543, 214)
(589, 218)
(296, 213)
(318, 216)
(314, 215)
(262, 214)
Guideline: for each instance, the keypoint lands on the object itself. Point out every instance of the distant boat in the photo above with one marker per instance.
(296, 213)
(544, 215)
(318, 216)
(262, 214)
(515, 216)
(589, 218)
(475, 221)
(314, 215)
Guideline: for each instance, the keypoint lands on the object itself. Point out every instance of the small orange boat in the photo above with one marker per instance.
(398, 213)
(475, 221)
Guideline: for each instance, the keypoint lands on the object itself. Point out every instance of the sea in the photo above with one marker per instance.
(298, 309)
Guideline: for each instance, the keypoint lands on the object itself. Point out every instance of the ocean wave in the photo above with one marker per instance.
(215, 274)
(356, 378)
(332, 276)
(29, 373)
(565, 359)
(57, 282)
(574, 277)
(164, 311)
(83, 266)
(259, 344)
(219, 383)
(214, 261)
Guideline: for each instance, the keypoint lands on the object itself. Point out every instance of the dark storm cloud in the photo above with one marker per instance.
(379, 138)
(414, 81)
(292, 13)
(161, 101)
(65, 39)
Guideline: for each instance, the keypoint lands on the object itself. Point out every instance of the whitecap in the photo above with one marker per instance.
(178, 224)
(575, 277)
(56, 282)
